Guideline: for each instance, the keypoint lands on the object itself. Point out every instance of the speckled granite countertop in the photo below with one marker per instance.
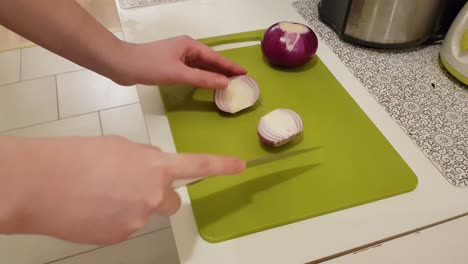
(428, 103)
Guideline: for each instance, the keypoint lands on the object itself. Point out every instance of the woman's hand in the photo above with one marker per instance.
(97, 190)
(174, 61)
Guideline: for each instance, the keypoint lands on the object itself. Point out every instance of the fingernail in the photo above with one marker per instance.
(239, 166)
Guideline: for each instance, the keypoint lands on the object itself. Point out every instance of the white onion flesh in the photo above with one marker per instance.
(279, 127)
(242, 92)
(293, 27)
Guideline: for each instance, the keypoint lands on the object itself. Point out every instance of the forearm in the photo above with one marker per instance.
(65, 28)
(27, 170)
(15, 158)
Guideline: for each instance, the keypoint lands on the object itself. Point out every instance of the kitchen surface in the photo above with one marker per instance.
(417, 105)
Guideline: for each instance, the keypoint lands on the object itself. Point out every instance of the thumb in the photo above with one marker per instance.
(203, 78)
(171, 204)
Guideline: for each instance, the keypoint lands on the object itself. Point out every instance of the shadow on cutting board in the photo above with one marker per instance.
(291, 144)
(189, 98)
(181, 98)
(300, 69)
(233, 201)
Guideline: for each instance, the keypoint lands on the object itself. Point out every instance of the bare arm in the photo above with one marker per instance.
(67, 29)
(11, 195)
(96, 190)
(52, 186)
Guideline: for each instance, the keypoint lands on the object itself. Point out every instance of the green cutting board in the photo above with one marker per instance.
(354, 165)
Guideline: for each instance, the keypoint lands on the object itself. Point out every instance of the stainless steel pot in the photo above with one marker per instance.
(390, 23)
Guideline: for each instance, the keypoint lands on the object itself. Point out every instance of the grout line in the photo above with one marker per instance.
(103, 109)
(72, 116)
(28, 126)
(57, 97)
(13, 82)
(21, 64)
(55, 74)
(144, 117)
(43, 123)
(101, 247)
(154, 231)
(9, 83)
(68, 117)
(147, 128)
(39, 78)
(100, 123)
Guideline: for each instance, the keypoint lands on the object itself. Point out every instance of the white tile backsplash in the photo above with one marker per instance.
(156, 121)
(84, 125)
(9, 66)
(126, 121)
(38, 62)
(160, 132)
(154, 223)
(86, 91)
(35, 249)
(155, 248)
(150, 100)
(28, 103)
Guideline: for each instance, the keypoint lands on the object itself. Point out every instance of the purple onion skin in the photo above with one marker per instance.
(265, 141)
(270, 143)
(278, 55)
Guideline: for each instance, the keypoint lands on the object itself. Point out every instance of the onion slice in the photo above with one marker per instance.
(242, 92)
(279, 127)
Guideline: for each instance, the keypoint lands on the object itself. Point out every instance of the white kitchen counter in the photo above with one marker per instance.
(445, 243)
(434, 199)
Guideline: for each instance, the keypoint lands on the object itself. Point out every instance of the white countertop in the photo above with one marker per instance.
(445, 243)
(434, 199)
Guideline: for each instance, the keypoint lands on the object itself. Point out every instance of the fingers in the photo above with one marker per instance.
(203, 79)
(203, 67)
(208, 67)
(200, 54)
(194, 166)
(171, 204)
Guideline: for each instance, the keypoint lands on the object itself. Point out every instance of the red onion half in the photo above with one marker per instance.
(289, 44)
(279, 127)
(242, 92)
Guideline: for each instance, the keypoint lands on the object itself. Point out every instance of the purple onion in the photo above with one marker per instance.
(289, 44)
